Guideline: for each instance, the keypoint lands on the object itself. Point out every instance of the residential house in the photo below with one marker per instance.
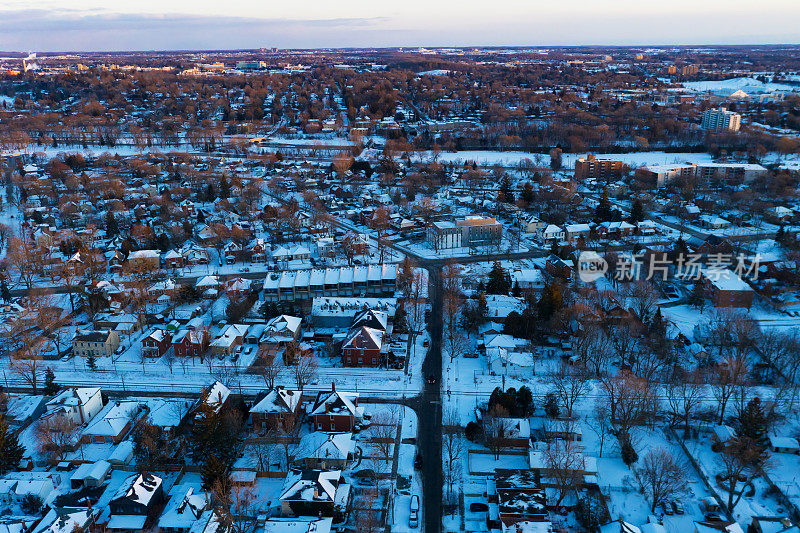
(144, 259)
(112, 423)
(336, 411)
(321, 450)
(318, 493)
(136, 498)
(726, 288)
(96, 344)
(363, 346)
(231, 337)
(277, 404)
(157, 343)
(79, 405)
(191, 342)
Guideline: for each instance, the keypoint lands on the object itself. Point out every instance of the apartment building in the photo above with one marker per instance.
(591, 167)
(720, 119)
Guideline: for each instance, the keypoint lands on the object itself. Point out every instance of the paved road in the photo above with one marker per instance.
(429, 413)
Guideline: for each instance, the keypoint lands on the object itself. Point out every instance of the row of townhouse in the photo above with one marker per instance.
(291, 285)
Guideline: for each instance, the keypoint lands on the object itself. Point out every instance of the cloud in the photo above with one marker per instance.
(63, 29)
(76, 30)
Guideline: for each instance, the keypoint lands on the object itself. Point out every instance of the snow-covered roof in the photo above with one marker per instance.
(311, 485)
(278, 400)
(139, 488)
(216, 395)
(297, 525)
(320, 445)
(73, 397)
(111, 421)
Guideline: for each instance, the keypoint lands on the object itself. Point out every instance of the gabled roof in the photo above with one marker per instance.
(74, 397)
(139, 488)
(278, 400)
(364, 338)
(311, 485)
(337, 402)
(320, 445)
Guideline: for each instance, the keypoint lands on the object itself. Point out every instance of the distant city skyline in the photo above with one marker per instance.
(96, 25)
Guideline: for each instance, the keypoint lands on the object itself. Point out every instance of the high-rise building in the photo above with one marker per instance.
(721, 120)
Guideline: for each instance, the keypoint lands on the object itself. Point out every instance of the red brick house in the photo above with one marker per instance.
(191, 343)
(363, 347)
(157, 343)
(276, 405)
(336, 411)
(727, 289)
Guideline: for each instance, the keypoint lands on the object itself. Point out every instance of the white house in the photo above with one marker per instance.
(79, 405)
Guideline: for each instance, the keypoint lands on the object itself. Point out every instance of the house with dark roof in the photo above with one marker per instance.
(138, 496)
(314, 493)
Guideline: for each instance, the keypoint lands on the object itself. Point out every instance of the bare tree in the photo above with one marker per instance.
(592, 346)
(684, 394)
(630, 399)
(456, 345)
(740, 462)
(56, 435)
(660, 477)
(267, 366)
(566, 467)
(726, 378)
(380, 221)
(569, 385)
(495, 429)
(644, 297)
(600, 423)
(236, 506)
(304, 369)
(452, 275)
(453, 446)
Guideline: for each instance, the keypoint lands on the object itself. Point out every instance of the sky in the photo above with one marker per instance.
(100, 25)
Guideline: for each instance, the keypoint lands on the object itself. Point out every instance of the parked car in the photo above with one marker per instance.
(478, 507)
(666, 508)
(413, 516)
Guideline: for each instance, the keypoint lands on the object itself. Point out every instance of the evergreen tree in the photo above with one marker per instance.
(5, 292)
(499, 280)
(550, 302)
(528, 195)
(637, 211)
(629, 455)
(602, 212)
(214, 471)
(91, 362)
(554, 248)
(753, 421)
(516, 291)
(482, 309)
(551, 408)
(780, 235)
(112, 228)
(224, 187)
(680, 246)
(697, 298)
(50, 386)
(11, 451)
(506, 194)
(658, 326)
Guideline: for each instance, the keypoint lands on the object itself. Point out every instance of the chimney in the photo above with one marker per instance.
(333, 386)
